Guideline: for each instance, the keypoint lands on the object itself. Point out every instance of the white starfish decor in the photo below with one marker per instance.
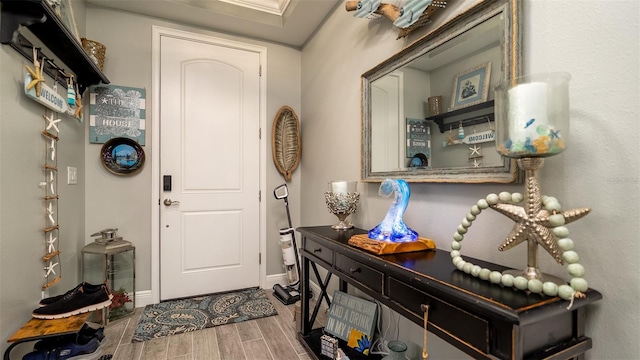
(50, 268)
(51, 182)
(51, 122)
(50, 213)
(475, 149)
(53, 149)
(52, 243)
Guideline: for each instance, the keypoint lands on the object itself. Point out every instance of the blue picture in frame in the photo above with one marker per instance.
(122, 156)
(471, 86)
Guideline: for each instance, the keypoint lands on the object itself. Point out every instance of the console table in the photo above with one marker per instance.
(482, 319)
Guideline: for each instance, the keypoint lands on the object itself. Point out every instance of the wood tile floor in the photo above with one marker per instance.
(267, 338)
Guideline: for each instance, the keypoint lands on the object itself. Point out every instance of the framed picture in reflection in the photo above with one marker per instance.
(471, 87)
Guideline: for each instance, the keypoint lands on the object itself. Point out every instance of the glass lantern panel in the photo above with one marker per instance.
(94, 268)
(121, 279)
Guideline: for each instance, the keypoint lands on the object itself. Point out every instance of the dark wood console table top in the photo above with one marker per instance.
(484, 320)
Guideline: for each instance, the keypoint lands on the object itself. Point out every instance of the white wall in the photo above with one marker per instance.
(597, 42)
(22, 207)
(22, 152)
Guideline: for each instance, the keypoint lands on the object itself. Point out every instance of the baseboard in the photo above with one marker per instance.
(276, 279)
(143, 298)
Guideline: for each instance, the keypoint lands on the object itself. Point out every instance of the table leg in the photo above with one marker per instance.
(323, 292)
(304, 304)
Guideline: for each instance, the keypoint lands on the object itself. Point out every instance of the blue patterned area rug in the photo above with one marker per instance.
(179, 316)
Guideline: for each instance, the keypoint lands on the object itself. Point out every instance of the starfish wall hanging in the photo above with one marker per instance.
(78, 112)
(52, 123)
(52, 243)
(475, 155)
(35, 73)
(52, 228)
(50, 268)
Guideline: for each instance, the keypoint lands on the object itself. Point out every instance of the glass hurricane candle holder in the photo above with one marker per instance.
(532, 122)
(532, 115)
(342, 200)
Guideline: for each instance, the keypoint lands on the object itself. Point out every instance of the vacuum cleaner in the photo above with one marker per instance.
(291, 293)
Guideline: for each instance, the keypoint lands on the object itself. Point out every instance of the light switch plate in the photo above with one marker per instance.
(72, 176)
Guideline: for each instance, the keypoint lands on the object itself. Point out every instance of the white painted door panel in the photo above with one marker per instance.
(209, 241)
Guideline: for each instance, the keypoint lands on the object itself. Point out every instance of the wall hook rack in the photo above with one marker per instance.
(41, 20)
(23, 46)
(475, 120)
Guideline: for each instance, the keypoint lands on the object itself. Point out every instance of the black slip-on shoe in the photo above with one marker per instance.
(87, 287)
(74, 303)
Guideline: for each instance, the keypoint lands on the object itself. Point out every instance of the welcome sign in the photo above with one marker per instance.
(352, 319)
(48, 97)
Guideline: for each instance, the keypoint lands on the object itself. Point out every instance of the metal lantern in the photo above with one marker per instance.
(111, 260)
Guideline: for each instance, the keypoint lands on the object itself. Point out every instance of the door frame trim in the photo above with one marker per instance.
(157, 33)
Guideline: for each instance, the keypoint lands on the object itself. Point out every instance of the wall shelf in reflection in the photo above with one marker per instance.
(439, 119)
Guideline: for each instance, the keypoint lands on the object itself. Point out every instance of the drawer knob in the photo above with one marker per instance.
(317, 250)
(354, 270)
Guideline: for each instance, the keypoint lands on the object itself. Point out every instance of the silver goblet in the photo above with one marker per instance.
(342, 201)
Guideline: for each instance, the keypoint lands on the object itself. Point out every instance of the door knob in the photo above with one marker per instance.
(169, 202)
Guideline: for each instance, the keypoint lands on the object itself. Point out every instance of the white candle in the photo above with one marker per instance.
(339, 187)
(527, 111)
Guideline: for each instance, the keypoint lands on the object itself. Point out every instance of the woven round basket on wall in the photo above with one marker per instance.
(95, 50)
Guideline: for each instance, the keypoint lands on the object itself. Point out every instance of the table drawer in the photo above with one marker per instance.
(320, 251)
(360, 272)
(461, 324)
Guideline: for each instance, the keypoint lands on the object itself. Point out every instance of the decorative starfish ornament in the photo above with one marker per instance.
(53, 149)
(50, 268)
(476, 163)
(52, 243)
(532, 222)
(51, 122)
(36, 74)
(475, 149)
(78, 112)
(50, 213)
(450, 140)
(51, 183)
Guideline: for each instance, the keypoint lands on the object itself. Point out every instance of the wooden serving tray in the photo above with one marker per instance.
(380, 247)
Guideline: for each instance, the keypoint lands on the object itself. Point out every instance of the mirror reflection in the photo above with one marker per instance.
(428, 111)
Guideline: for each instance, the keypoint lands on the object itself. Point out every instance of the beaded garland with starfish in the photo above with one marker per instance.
(540, 221)
(577, 284)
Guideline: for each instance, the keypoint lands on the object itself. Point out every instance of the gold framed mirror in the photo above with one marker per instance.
(458, 65)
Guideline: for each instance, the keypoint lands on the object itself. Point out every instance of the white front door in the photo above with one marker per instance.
(210, 149)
